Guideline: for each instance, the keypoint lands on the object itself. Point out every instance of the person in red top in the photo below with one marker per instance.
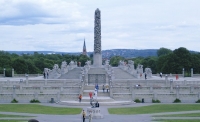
(80, 97)
(176, 76)
(90, 94)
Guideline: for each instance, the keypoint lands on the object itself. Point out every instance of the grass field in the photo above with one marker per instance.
(157, 108)
(38, 109)
(6, 115)
(13, 121)
(180, 115)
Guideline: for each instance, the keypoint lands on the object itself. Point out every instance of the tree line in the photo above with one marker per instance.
(167, 61)
(34, 64)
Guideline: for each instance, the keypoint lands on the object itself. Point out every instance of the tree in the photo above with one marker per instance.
(114, 61)
(20, 66)
(163, 51)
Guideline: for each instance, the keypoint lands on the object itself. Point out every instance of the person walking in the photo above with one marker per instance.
(145, 76)
(83, 115)
(90, 117)
(161, 74)
(103, 87)
(107, 87)
(80, 97)
(97, 87)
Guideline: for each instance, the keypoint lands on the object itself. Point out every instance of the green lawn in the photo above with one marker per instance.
(38, 109)
(180, 115)
(13, 121)
(15, 116)
(157, 108)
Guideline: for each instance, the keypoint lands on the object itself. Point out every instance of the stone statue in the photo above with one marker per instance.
(148, 72)
(55, 72)
(140, 69)
(64, 69)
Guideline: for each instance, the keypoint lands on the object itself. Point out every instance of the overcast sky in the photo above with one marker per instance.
(62, 25)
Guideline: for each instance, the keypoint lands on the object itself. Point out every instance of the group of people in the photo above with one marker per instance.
(103, 88)
(89, 116)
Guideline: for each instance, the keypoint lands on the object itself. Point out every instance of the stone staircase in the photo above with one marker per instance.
(72, 74)
(103, 98)
(121, 74)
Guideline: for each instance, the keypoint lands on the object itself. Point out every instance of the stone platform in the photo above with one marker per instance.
(96, 113)
(102, 101)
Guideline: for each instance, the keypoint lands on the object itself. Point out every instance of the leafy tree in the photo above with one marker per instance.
(114, 61)
(163, 51)
(20, 66)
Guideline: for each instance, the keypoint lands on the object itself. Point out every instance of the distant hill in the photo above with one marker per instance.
(126, 53)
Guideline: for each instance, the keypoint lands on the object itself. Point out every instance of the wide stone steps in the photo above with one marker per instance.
(72, 74)
(121, 74)
(92, 87)
(100, 93)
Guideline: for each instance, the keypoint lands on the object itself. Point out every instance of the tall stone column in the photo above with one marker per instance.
(97, 56)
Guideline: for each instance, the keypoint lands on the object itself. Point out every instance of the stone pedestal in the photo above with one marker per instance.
(97, 60)
(96, 113)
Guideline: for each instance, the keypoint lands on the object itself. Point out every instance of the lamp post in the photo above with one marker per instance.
(177, 92)
(4, 72)
(171, 84)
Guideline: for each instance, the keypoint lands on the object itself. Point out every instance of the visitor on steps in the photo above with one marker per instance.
(90, 94)
(97, 87)
(80, 97)
(107, 87)
(103, 87)
(95, 94)
(97, 104)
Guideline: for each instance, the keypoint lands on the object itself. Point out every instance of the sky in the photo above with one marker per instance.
(62, 25)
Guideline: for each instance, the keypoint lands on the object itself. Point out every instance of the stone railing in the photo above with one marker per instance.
(42, 97)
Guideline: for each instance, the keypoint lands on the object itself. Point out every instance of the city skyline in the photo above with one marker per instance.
(62, 25)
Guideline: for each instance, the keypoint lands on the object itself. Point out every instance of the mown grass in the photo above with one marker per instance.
(180, 115)
(38, 109)
(13, 120)
(15, 116)
(158, 108)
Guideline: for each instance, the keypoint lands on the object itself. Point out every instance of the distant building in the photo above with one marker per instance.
(84, 49)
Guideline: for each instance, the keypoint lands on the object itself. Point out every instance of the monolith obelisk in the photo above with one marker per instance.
(97, 56)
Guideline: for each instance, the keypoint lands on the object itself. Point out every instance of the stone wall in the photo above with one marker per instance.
(42, 90)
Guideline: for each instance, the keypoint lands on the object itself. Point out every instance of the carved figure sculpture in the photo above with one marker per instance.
(97, 32)
(64, 67)
(148, 72)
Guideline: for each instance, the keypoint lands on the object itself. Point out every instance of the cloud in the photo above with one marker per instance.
(22, 12)
(62, 25)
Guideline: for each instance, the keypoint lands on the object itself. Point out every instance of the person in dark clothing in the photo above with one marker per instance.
(97, 104)
(145, 76)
